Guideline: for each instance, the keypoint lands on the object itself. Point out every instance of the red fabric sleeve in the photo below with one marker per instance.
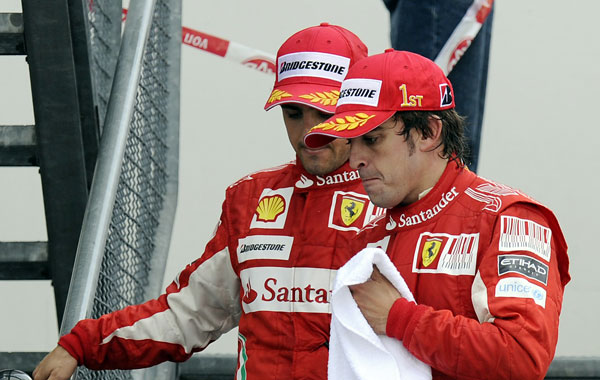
(518, 338)
(183, 320)
(400, 315)
(70, 343)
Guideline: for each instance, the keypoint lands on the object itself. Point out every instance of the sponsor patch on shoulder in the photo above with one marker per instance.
(443, 253)
(525, 265)
(268, 247)
(518, 234)
(521, 288)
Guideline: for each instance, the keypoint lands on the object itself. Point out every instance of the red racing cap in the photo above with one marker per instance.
(376, 88)
(312, 64)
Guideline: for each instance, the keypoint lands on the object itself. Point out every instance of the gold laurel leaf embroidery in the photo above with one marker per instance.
(323, 126)
(276, 95)
(333, 94)
(325, 98)
(353, 125)
(347, 123)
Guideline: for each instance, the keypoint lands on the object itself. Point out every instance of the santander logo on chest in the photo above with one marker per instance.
(404, 220)
(307, 181)
(306, 290)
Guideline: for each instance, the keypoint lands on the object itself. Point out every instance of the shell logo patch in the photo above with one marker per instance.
(272, 208)
(348, 123)
(269, 208)
(351, 209)
(326, 98)
(431, 248)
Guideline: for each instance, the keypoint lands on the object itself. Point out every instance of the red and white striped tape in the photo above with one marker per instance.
(453, 49)
(230, 50)
(233, 51)
(464, 33)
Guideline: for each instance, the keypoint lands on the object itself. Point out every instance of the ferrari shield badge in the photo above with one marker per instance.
(430, 250)
(351, 209)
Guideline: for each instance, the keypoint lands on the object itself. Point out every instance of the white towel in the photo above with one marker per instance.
(355, 351)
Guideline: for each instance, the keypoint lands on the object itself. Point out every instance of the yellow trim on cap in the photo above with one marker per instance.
(347, 123)
(326, 98)
(277, 95)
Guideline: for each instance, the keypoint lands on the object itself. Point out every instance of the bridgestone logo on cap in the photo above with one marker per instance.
(313, 64)
(360, 91)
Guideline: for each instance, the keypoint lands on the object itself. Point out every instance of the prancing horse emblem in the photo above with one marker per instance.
(430, 250)
(351, 209)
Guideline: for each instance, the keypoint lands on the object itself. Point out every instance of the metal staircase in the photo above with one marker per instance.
(63, 143)
(107, 155)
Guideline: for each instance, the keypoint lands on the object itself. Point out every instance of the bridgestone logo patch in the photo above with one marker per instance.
(360, 91)
(518, 234)
(313, 64)
(270, 247)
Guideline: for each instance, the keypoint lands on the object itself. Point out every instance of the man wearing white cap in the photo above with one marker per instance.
(487, 265)
(270, 265)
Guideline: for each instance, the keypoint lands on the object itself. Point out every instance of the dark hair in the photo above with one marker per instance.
(453, 141)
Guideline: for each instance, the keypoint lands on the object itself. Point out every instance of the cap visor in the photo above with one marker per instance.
(319, 96)
(345, 125)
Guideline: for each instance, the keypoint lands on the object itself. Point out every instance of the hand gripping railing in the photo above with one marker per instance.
(127, 224)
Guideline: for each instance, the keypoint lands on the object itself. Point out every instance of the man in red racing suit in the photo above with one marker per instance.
(487, 267)
(486, 264)
(270, 265)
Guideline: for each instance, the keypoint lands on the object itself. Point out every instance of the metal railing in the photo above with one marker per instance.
(222, 367)
(127, 224)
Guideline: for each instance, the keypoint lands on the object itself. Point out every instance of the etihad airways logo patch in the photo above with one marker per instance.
(360, 91)
(305, 290)
(352, 211)
(525, 265)
(313, 64)
(410, 220)
(272, 208)
(444, 253)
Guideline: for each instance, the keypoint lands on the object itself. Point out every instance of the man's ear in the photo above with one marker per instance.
(428, 144)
